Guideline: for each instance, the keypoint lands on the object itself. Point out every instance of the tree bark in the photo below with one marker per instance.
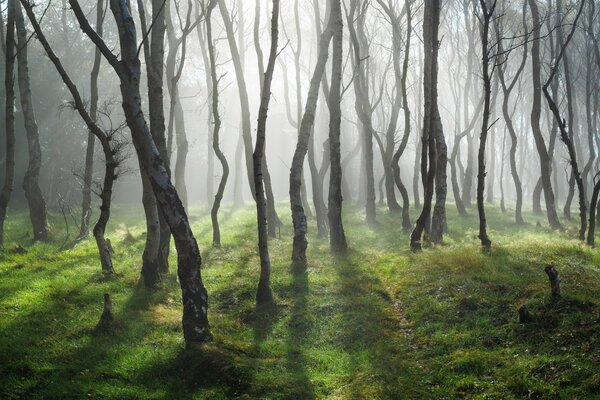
(337, 237)
(128, 69)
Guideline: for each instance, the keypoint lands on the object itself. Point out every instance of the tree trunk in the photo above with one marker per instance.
(111, 150)
(128, 69)
(217, 126)
(488, 13)
(9, 83)
(428, 166)
(567, 134)
(263, 293)
(337, 237)
(236, 56)
(306, 126)
(545, 161)
(35, 200)
(86, 203)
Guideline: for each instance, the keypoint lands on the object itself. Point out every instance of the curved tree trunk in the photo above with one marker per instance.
(545, 161)
(217, 126)
(306, 126)
(128, 69)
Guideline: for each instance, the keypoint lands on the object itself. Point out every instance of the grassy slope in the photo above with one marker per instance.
(379, 323)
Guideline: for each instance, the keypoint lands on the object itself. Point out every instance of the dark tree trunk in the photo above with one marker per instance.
(545, 160)
(9, 85)
(337, 237)
(566, 133)
(431, 22)
(488, 12)
(128, 69)
(217, 126)
(35, 200)
(263, 293)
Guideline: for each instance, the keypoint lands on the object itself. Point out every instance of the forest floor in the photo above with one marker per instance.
(379, 323)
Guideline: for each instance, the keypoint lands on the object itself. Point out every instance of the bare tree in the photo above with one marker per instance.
(487, 12)
(431, 22)
(263, 293)
(33, 193)
(217, 126)
(86, 202)
(337, 237)
(127, 68)
(566, 132)
(545, 160)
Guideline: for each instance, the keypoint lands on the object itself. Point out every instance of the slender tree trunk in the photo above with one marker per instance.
(86, 203)
(545, 161)
(306, 126)
(238, 65)
(217, 126)
(263, 293)
(428, 156)
(488, 13)
(33, 193)
(274, 223)
(566, 133)
(337, 237)
(9, 85)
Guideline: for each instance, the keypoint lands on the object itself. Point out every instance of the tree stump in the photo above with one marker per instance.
(524, 316)
(554, 280)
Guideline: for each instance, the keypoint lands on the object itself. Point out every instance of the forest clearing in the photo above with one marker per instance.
(379, 323)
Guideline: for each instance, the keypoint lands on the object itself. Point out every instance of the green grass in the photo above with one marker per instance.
(379, 323)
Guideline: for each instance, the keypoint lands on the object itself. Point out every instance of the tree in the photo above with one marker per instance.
(217, 126)
(337, 237)
(86, 202)
(431, 22)
(110, 147)
(507, 89)
(362, 105)
(545, 160)
(9, 83)
(566, 133)
(33, 193)
(306, 127)
(487, 10)
(263, 293)
(127, 68)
